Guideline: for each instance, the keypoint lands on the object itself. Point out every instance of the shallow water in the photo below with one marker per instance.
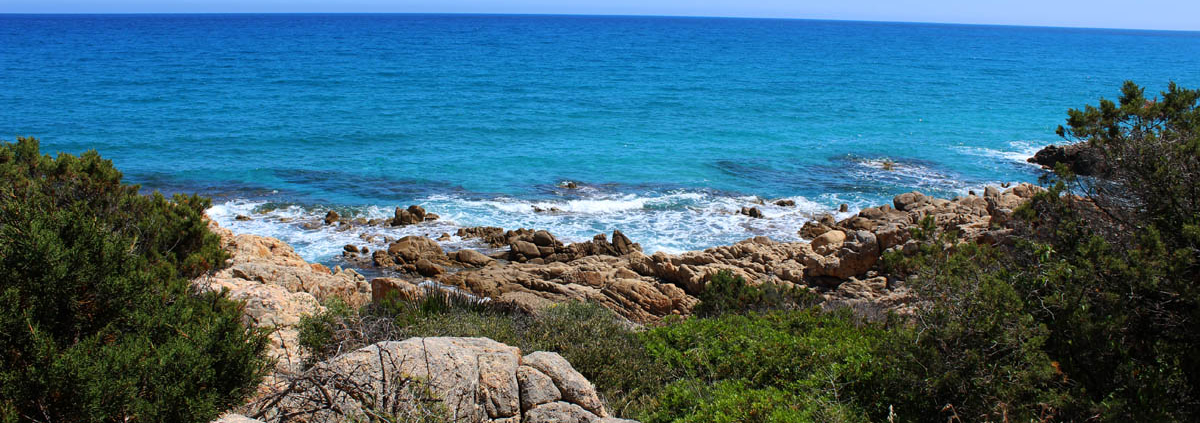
(670, 125)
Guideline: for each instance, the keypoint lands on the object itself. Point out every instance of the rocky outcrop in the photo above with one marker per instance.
(412, 215)
(1081, 158)
(752, 212)
(602, 279)
(279, 287)
(456, 379)
(541, 247)
(644, 288)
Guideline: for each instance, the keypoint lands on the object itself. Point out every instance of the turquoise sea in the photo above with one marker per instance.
(669, 125)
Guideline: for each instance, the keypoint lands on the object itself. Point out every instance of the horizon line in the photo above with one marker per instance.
(607, 15)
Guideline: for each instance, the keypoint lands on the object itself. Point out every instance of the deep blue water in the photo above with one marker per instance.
(668, 123)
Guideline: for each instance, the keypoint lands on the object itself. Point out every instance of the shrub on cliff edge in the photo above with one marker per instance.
(97, 318)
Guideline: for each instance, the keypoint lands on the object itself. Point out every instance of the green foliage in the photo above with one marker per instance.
(838, 365)
(726, 293)
(1114, 263)
(1153, 148)
(97, 320)
(694, 401)
(316, 332)
(977, 348)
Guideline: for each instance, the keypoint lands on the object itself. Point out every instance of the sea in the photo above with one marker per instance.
(667, 125)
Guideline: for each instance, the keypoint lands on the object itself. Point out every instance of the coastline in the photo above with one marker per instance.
(532, 269)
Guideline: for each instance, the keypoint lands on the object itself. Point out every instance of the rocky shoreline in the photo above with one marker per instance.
(532, 269)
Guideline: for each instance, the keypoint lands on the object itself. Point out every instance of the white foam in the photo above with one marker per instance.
(672, 222)
(1018, 151)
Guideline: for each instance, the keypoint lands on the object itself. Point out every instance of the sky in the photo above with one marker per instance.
(1136, 14)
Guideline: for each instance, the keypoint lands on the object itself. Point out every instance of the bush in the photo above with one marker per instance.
(1114, 264)
(694, 401)
(726, 293)
(97, 319)
(842, 365)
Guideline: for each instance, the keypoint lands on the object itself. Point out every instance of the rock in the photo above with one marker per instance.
(909, 201)
(350, 248)
(412, 248)
(493, 236)
(525, 248)
(752, 212)
(570, 185)
(473, 258)
(474, 379)
(574, 387)
(412, 215)
(785, 203)
(235, 418)
(544, 239)
(499, 388)
(559, 412)
(623, 245)
(428, 269)
(844, 208)
(381, 288)
(417, 211)
(242, 217)
(536, 388)
(331, 217)
(1081, 158)
(271, 261)
(828, 242)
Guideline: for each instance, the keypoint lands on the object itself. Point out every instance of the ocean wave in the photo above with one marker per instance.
(672, 222)
(1018, 151)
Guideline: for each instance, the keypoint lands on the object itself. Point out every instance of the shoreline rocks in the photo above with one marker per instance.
(534, 269)
(1081, 158)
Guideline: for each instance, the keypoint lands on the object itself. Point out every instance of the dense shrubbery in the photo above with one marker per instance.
(1114, 265)
(725, 293)
(97, 321)
(806, 364)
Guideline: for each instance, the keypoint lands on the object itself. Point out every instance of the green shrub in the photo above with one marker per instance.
(694, 401)
(726, 293)
(1113, 264)
(97, 318)
(810, 354)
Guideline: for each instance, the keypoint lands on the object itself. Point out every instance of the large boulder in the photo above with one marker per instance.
(472, 258)
(473, 380)
(412, 248)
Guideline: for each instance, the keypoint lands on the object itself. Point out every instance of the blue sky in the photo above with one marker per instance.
(1143, 14)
